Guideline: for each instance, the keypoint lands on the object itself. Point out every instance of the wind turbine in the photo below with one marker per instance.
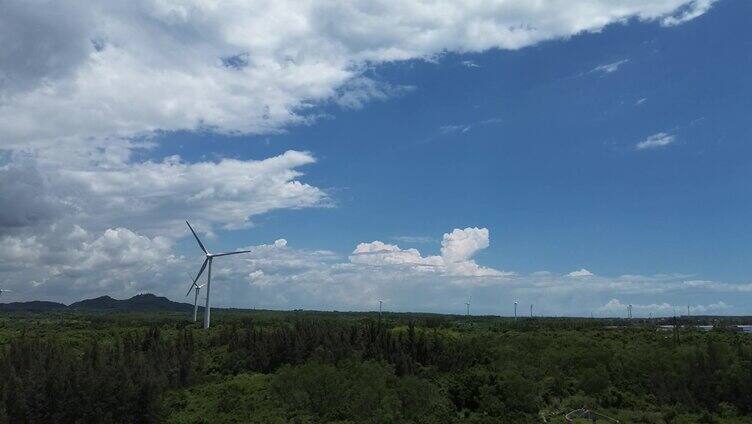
(381, 302)
(468, 306)
(515, 310)
(209, 258)
(4, 290)
(196, 288)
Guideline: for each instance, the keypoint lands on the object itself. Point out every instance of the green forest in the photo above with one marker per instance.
(316, 367)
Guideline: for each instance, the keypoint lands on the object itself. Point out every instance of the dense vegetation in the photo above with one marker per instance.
(266, 367)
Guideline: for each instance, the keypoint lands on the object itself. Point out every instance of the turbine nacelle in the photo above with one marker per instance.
(194, 286)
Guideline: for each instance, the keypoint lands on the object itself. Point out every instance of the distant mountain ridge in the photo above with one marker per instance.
(33, 306)
(139, 303)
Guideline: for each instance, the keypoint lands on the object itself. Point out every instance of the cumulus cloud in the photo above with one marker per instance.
(74, 230)
(460, 245)
(457, 250)
(114, 69)
(66, 263)
(283, 276)
(26, 199)
(155, 196)
(377, 253)
(654, 141)
(287, 277)
(581, 273)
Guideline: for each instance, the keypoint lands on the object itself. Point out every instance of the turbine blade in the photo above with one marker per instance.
(233, 253)
(197, 239)
(189, 290)
(201, 271)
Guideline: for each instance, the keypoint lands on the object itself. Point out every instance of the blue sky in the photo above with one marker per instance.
(544, 153)
(622, 150)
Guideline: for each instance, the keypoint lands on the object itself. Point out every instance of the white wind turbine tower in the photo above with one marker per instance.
(515, 310)
(196, 288)
(209, 258)
(468, 306)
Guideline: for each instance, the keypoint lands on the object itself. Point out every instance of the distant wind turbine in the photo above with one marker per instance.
(196, 288)
(209, 258)
(4, 291)
(515, 310)
(468, 306)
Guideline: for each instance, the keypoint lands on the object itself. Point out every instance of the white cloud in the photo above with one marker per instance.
(68, 263)
(581, 273)
(106, 227)
(464, 128)
(688, 12)
(358, 91)
(615, 307)
(610, 67)
(291, 278)
(654, 141)
(449, 129)
(457, 249)
(115, 69)
(154, 196)
(377, 253)
(460, 245)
